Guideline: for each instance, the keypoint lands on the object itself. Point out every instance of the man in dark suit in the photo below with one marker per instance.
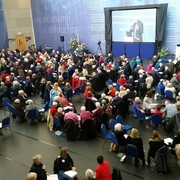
(137, 30)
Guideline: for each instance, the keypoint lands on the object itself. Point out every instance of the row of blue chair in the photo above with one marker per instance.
(110, 82)
(131, 150)
(155, 119)
(77, 91)
(119, 119)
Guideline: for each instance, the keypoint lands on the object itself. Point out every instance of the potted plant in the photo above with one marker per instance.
(163, 52)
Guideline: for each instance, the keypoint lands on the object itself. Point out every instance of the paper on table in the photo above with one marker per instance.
(71, 173)
(0, 125)
(52, 177)
(168, 141)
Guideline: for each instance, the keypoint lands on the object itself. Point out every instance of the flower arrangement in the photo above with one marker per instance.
(74, 45)
(163, 52)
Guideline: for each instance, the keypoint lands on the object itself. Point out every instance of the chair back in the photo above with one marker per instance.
(114, 139)
(119, 119)
(104, 130)
(57, 122)
(141, 116)
(110, 82)
(69, 93)
(12, 109)
(112, 124)
(132, 151)
(46, 106)
(117, 86)
(82, 88)
(169, 94)
(5, 122)
(20, 78)
(6, 101)
(31, 114)
(65, 75)
(156, 119)
(133, 110)
(77, 90)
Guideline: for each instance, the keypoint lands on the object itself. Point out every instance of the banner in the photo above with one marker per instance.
(3, 30)
(84, 20)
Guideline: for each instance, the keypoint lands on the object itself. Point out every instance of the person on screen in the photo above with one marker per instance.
(137, 30)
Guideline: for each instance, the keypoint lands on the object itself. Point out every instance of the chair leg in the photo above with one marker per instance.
(105, 141)
(10, 129)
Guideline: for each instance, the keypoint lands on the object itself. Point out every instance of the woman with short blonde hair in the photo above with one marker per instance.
(137, 141)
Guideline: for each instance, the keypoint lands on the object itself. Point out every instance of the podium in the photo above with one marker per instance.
(178, 51)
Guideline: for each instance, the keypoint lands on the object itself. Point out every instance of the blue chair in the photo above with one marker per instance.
(156, 119)
(57, 123)
(106, 135)
(32, 114)
(65, 75)
(44, 108)
(69, 94)
(117, 66)
(110, 82)
(117, 86)
(131, 151)
(143, 117)
(114, 139)
(169, 95)
(160, 91)
(119, 119)
(5, 101)
(112, 124)
(6, 123)
(20, 78)
(12, 110)
(133, 110)
(77, 91)
(82, 88)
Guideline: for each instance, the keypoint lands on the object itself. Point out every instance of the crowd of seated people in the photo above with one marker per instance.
(51, 74)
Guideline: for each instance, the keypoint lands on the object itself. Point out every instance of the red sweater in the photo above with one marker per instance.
(103, 171)
(53, 110)
(122, 81)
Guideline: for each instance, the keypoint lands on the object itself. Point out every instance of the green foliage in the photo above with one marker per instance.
(163, 52)
(75, 46)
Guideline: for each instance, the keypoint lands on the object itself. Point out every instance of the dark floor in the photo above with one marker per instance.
(16, 151)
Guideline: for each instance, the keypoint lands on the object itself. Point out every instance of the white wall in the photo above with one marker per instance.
(19, 20)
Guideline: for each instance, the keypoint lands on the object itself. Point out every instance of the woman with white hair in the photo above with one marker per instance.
(97, 115)
(89, 174)
(60, 115)
(137, 104)
(31, 176)
(171, 88)
(19, 109)
(85, 115)
(22, 97)
(38, 168)
(119, 133)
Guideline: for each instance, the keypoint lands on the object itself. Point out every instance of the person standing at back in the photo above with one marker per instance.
(103, 171)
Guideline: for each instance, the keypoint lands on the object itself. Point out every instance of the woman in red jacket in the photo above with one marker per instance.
(122, 80)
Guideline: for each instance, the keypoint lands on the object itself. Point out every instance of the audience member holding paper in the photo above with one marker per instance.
(64, 165)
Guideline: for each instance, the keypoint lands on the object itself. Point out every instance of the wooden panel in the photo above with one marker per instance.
(21, 42)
